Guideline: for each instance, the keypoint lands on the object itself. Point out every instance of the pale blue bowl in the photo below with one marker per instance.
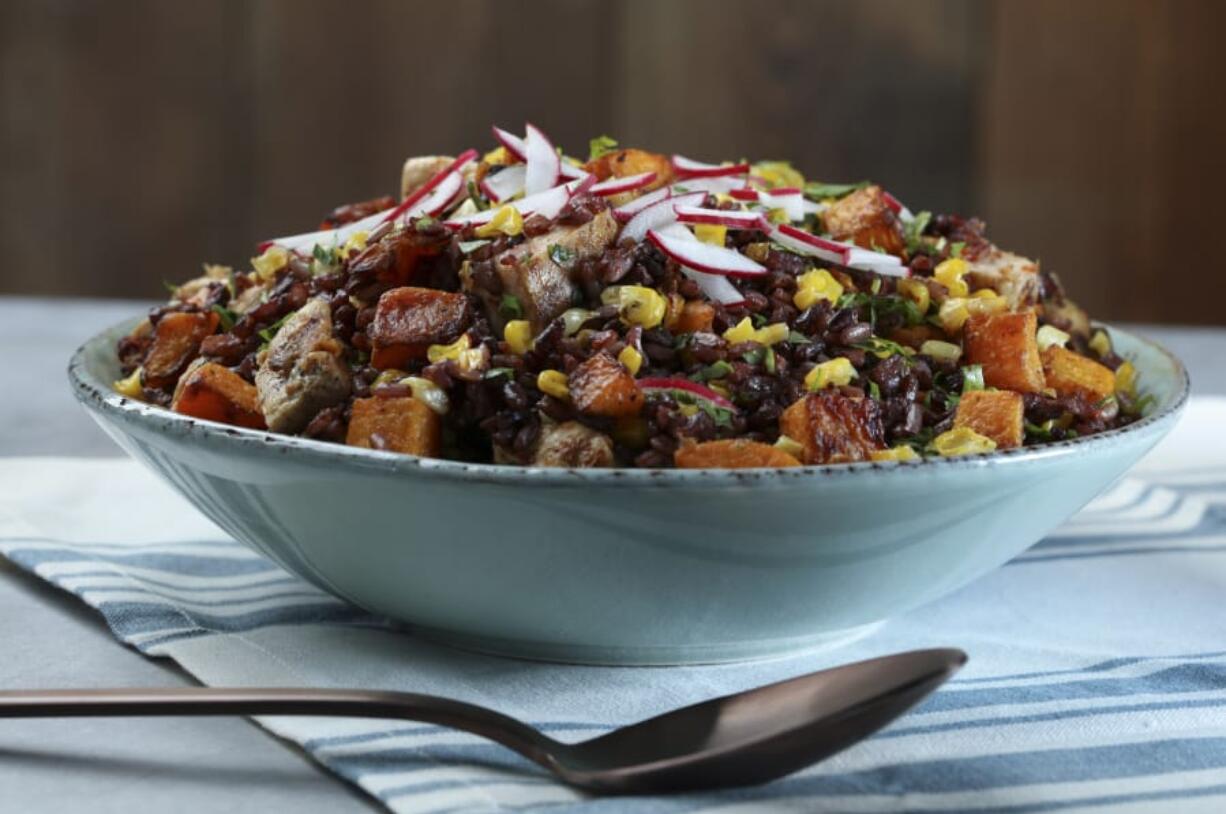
(625, 566)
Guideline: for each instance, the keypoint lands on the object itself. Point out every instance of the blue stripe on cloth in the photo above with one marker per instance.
(1096, 667)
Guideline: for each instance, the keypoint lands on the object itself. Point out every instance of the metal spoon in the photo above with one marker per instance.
(741, 739)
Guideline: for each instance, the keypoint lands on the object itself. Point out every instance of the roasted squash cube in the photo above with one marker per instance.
(1005, 345)
(176, 341)
(601, 386)
(1069, 374)
(624, 163)
(214, 392)
(695, 317)
(734, 453)
(396, 424)
(409, 320)
(834, 428)
(995, 414)
(865, 218)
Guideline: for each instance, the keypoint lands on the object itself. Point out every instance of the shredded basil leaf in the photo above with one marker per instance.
(797, 338)
(718, 370)
(913, 233)
(818, 190)
(509, 307)
(874, 390)
(768, 361)
(955, 249)
(754, 356)
(228, 317)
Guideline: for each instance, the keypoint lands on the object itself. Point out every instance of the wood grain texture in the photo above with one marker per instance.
(139, 138)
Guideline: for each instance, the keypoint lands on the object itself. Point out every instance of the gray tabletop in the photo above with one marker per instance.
(51, 640)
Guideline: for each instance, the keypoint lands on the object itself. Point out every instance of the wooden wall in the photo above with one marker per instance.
(140, 137)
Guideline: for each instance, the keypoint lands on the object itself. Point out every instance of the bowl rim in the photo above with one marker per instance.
(99, 397)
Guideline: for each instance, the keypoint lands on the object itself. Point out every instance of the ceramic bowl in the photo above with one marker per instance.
(625, 566)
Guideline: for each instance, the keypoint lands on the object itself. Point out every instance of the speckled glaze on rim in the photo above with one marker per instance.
(621, 565)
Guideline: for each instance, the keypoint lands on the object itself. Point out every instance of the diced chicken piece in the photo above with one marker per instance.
(529, 272)
(734, 453)
(302, 371)
(834, 428)
(1014, 277)
(571, 444)
(409, 320)
(1006, 347)
(601, 386)
(864, 218)
(196, 289)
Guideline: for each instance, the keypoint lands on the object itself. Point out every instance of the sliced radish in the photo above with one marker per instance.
(687, 386)
(572, 172)
(543, 162)
(657, 215)
(720, 185)
(745, 194)
(734, 219)
(409, 206)
(628, 210)
(513, 143)
(547, 204)
(904, 214)
(791, 202)
(886, 265)
(327, 237)
(438, 200)
(689, 168)
(705, 257)
(799, 240)
(716, 287)
(612, 186)
(813, 207)
(504, 184)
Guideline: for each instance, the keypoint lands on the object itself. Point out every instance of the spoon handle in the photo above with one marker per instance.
(196, 701)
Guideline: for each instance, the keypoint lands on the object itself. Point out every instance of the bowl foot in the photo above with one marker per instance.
(650, 656)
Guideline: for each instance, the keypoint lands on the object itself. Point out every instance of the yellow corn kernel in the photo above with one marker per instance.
(1100, 343)
(984, 294)
(757, 251)
(953, 314)
(838, 372)
(498, 155)
(428, 393)
(1050, 336)
(917, 292)
(950, 273)
(791, 446)
(389, 376)
(506, 221)
(902, 452)
(711, 233)
(355, 244)
(437, 353)
(962, 441)
(553, 383)
(638, 304)
(1126, 379)
(270, 262)
(631, 359)
(129, 386)
(518, 335)
(743, 331)
(778, 174)
(941, 351)
(778, 215)
(815, 285)
(772, 334)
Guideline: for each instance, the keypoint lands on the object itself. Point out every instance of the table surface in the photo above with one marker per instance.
(184, 764)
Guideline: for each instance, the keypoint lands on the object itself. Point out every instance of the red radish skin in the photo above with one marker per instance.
(693, 388)
(705, 257)
(327, 237)
(627, 211)
(722, 217)
(513, 143)
(544, 165)
(689, 168)
(631, 182)
(426, 188)
(657, 216)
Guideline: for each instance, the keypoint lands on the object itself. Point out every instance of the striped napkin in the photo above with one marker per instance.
(1097, 678)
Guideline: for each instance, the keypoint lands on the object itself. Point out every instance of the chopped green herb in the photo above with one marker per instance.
(921, 440)
(228, 317)
(424, 224)
(510, 308)
(768, 361)
(171, 287)
(758, 320)
(754, 356)
(882, 305)
(884, 348)
(1038, 432)
(720, 415)
(955, 249)
(268, 333)
(495, 372)
(818, 190)
(972, 378)
(561, 255)
(474, 195)
(601, 145)
(718, 370)
(470, 246)
(874, 390)
(797, 338)
(914, 231)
